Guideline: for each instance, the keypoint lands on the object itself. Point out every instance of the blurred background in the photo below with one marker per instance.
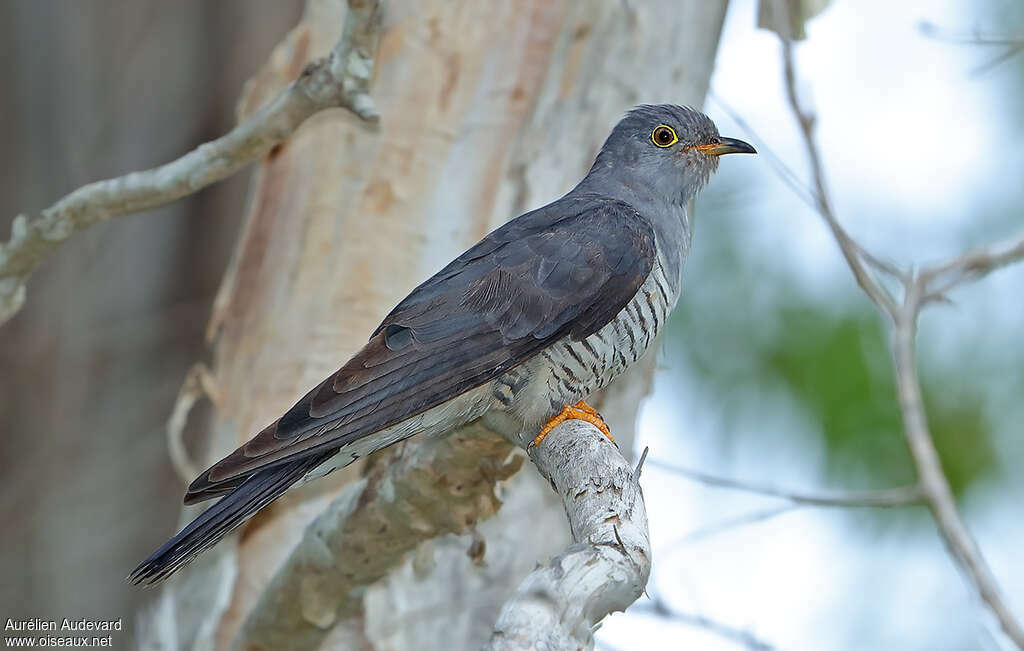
(776, 368)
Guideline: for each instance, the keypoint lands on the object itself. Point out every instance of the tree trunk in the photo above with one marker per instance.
(487, 110)
(90, 366)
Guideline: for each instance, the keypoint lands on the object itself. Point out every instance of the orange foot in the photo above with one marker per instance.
(580, 411)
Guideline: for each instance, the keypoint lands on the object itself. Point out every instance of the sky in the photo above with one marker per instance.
(912, 142)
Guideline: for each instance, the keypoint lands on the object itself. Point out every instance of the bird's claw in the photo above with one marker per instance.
(580, 411)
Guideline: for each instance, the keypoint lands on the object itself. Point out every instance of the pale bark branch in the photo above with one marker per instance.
(882, 498)
(937, 491)
(198, 382)
(605, 570)
(932, 480)
(935, 280)
(428, 488)
(852, 251)
(340, 79)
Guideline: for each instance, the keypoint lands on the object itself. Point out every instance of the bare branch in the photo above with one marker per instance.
(998, 60)
(1011, 44)
(884, 498)
(748, 640)
(973, 37)
(934, 484)
(784, 171)
(339, 80)
(932, 481)
(729, 524)
(793, 182)
(852, 251)
(199, 381)
(559, 604)
(968, 266)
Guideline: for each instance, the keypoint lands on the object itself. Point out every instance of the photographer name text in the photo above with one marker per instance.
(87, 631)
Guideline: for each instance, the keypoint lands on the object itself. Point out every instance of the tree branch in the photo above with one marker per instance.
(427, 489)
(852, 251)
(339, 80)
(1011, 44)
(883, 498)
(932, 480)
(199, 382)
(974, 37)
(558, 605)
(729, 524)
(971, 265)
(658, 606)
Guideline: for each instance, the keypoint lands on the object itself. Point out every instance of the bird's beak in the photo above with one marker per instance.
(727, 146)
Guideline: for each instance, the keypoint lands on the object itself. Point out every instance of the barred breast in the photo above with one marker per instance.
(570, 370)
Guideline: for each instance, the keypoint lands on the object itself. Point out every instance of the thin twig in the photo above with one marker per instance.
(852, 251)
(635, 477)
(784, 172)
(975, 37)
(340, 79)
(198, 382)
(659, 607)
(728, 524)
(968, 266)
(997, 60)
(793, 182)
(883, 498)
(1012, 44)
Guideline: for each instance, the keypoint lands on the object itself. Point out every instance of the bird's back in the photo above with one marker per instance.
(573, 368)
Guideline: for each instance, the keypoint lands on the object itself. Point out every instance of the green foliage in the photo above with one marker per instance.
(747, 335)
(836, 365)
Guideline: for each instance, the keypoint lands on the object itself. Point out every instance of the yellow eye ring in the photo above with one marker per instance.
(664, 136)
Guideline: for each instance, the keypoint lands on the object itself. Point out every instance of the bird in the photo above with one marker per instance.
(517, 331)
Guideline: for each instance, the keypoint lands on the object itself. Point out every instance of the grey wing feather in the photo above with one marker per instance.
(564, 270)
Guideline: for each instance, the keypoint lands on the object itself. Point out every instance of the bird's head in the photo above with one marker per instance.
(663, 152)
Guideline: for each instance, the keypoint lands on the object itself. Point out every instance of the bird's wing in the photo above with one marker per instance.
(564, 270)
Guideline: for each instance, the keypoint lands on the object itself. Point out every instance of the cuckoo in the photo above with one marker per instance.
(518, 331)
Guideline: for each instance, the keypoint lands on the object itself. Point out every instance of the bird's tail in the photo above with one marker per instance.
(228, 513)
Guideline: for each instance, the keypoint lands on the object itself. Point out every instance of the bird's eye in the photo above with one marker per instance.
(716, 141)
(664, 136)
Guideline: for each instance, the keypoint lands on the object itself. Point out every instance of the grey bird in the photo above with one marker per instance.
(518, 330)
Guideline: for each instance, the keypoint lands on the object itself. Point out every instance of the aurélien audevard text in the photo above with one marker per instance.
(66, 632)
(66, 624)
